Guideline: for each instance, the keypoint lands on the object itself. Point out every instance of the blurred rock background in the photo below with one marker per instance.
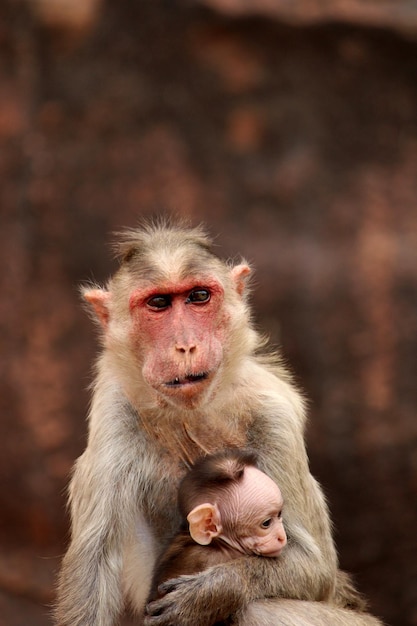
(290, 129)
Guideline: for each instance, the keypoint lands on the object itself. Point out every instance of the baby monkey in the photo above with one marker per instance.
(232, 509)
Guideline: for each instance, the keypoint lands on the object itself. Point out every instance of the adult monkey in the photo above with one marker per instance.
(180, 375)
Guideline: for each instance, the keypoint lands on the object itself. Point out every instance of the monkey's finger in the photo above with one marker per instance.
(157, 607)
(185, 581)
(172, 584)
(154, 620)
(158, 615)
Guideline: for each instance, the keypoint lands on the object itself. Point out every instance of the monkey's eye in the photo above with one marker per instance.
(198, 296)
(267, 523)
(159, 302)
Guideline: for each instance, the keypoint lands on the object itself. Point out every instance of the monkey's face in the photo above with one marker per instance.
(179, 332)
(252, 516)
(174, 335)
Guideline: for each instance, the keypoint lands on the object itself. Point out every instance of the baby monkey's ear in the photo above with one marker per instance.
(205, 523)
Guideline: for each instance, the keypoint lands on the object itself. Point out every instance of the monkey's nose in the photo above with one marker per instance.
(282, 539)
(185, 349)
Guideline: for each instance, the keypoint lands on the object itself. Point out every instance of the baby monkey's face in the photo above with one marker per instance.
(247, 515)
(252, 516)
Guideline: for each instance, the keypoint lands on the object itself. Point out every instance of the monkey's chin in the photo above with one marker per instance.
(267, 550)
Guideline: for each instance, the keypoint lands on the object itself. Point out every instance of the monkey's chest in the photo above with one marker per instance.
(183, 443)
(175, 449)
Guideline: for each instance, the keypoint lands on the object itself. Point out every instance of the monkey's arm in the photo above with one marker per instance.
(223, 590)
(104, 511)
(93, 561)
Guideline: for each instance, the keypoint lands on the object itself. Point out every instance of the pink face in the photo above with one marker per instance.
(252, 517)
(179, 332)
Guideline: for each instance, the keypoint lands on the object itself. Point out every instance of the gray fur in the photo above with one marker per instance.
(123, 490)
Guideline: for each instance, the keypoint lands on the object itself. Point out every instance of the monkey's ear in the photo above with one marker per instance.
(239, 276)
(205, 523)
(99, 300)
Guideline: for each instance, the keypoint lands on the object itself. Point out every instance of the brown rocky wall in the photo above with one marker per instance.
(297, 144)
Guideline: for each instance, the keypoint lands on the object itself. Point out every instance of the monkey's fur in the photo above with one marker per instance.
(212, 479)
(165, 393)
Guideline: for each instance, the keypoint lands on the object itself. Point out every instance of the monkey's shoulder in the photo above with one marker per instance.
(264, 386)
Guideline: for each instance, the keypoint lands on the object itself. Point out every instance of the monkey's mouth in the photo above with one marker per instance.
(187, 379)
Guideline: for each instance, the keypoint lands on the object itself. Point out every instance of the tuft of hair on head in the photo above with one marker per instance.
(214, 472)
(162, 232)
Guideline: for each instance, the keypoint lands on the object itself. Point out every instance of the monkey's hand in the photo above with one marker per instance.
(201, 599)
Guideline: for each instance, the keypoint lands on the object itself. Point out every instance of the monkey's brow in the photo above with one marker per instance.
(146, 270)
(273, 510)
(195, 267)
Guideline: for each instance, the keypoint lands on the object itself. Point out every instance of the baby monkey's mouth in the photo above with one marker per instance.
(187, 379)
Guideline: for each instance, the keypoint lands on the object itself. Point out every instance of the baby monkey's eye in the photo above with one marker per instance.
(267, 523)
